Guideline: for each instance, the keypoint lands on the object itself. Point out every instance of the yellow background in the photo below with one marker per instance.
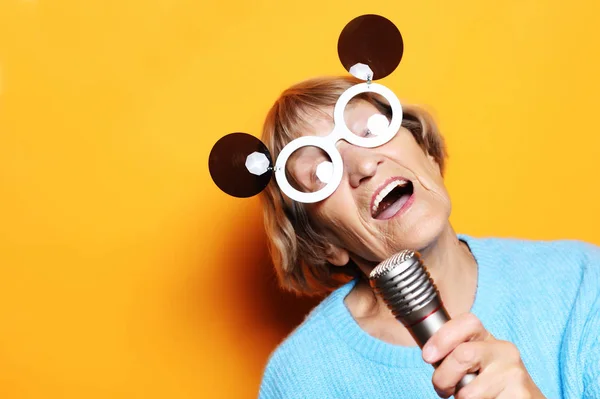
(125, 273)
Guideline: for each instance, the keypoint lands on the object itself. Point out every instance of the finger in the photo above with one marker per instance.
(492, 360)
(466, 327)
(520, 385)
(466, 358)
(488, 384)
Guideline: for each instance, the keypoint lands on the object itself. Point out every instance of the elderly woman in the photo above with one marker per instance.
(525, 315)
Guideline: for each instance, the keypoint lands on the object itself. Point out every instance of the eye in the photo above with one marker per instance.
(315, 183)
(321, 174)
(324, 172)
(377, 124)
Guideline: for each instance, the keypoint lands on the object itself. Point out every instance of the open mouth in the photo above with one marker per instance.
(391, 198)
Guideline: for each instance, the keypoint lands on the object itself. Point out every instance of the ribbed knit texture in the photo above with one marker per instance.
(542, 296)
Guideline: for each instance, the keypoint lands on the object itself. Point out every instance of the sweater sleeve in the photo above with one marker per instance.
(591, 381)
(590, 348)
(580, 355)
(269, 387)
(282, 379)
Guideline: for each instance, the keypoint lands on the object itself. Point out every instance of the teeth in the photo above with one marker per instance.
(385, 191)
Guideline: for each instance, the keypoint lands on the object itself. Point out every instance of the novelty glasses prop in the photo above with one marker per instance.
(370, 47)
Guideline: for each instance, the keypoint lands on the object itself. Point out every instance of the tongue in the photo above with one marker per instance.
(392, 209)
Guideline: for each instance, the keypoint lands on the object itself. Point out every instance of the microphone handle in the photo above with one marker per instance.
(425, 328)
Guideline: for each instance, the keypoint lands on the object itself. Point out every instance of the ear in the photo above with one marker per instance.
(337, 256)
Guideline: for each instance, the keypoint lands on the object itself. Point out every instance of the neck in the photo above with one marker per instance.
(452, 268)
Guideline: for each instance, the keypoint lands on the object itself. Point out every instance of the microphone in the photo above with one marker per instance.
(408, 290)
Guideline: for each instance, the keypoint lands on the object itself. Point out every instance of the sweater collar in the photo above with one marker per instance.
(344, 325)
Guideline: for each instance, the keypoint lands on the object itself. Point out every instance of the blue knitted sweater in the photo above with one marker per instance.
(542, 296)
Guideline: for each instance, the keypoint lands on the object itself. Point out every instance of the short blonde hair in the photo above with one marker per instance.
(297, 246)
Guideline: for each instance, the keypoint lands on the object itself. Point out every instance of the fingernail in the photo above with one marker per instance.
(429, 353)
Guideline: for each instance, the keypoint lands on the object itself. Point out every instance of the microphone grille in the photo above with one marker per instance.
(404, 284)
(388, 264)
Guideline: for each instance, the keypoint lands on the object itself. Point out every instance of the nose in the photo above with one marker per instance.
(360, 164)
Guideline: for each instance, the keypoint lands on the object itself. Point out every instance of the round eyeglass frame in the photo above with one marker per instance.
(328, 143)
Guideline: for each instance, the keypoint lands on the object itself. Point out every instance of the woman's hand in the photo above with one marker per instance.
(467, 347)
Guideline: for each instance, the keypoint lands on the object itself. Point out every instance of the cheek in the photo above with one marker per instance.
(434, 185)
(423, 167)
(339, 215)
(338, 208)
(417, 163)
(431, 181)
(408, 154)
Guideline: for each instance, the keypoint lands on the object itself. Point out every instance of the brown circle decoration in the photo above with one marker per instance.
(372, 40)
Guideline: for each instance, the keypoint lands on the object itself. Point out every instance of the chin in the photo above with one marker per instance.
(423, 231)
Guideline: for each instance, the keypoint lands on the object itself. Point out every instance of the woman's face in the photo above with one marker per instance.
(391, 197)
